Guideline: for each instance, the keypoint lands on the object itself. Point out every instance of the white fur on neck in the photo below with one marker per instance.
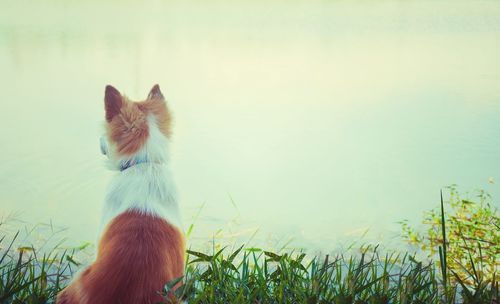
(146, 187)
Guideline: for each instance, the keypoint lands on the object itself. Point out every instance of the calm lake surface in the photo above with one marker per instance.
(310, 121)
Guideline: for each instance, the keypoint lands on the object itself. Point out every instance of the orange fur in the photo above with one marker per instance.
(128, 130)
(162, 114)
(137, 255)
(127, 126)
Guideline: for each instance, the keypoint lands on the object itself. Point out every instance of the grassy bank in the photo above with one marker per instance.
(254, 276)
(465, 270)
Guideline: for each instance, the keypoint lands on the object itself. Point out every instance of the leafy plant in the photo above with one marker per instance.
(468, 243)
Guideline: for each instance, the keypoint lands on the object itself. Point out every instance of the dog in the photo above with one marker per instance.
(141, 245)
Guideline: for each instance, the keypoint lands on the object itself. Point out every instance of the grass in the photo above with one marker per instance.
(253, 275)
(26, 277)
(266, 277)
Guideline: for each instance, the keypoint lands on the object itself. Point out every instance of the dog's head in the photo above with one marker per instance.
(135, 129)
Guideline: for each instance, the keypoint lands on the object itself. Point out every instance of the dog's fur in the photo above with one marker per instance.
(141, 246)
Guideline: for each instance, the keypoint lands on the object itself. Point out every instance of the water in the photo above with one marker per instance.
(306, 120)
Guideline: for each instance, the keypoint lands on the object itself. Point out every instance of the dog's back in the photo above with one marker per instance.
(137, 255)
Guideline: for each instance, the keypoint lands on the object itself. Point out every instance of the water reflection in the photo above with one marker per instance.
(311, 120)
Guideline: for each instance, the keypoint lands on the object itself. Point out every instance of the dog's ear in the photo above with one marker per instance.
(112, 102)
(155, 94)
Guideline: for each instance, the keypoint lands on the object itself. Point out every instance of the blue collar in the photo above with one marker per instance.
(125, 164)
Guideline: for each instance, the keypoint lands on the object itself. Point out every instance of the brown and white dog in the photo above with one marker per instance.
(141, 245)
